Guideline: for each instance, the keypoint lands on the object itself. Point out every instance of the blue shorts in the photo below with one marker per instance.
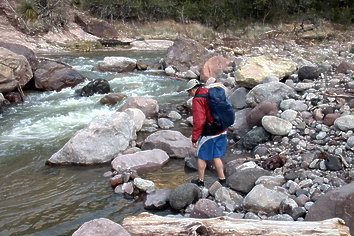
(210, 147)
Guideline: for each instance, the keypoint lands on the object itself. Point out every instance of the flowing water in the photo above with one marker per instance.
(36, 199)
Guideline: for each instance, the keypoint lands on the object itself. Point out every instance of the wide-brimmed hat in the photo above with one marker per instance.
(191, 84)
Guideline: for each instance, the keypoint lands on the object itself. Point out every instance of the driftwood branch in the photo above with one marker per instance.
(149, 224)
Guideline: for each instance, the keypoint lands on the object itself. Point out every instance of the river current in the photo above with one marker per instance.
(36, 199)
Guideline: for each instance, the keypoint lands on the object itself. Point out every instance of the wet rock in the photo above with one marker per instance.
(24, 51)
(99, 86)
(112, 99)
(116, 64)
(144, 184)
(165, 123)
(140, 65)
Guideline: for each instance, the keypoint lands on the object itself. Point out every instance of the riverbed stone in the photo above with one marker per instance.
(244, 180)
(345, 122)
(276, 125)
(140, 161)
(102, 140)
(112, 98)
(261, 198)
(262, 109)
(157, 200)
(253, 70)
(335, 203)
(213, 67)
(149, 106)
(138, 117)
(54, 76)
(101, 227)
(206, 208)
(97, 86)
(273, 91)
(116, 64)
(15, 70)
(173, 142)
(184, 195)
(185, 53)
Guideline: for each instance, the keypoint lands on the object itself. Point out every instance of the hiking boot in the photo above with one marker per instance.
(198, 182)
(222, 182)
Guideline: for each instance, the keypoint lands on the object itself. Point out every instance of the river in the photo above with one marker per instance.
(36, 199)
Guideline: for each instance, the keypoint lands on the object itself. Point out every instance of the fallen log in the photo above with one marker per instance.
(149, 224)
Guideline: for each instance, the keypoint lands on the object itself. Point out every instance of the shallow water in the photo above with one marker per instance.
(36, 199)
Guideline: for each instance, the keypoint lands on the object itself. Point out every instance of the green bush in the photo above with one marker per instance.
(28, 11)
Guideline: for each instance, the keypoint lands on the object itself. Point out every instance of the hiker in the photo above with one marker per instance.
(209, 147)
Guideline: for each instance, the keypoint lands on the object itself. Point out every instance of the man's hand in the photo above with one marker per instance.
(194, 144)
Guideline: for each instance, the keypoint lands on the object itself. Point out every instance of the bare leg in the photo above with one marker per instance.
(201, 168)
(219, 167)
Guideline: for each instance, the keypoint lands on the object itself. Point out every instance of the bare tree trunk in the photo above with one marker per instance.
(149, 224)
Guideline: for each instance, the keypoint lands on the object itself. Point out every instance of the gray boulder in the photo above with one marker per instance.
(139, 161)
(173, 142)
(184, 195)
(273, 91)
(264, 199)
(244, 180)
(116, 64)
(102, 140)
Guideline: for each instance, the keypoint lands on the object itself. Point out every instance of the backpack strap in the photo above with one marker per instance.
(201, 95)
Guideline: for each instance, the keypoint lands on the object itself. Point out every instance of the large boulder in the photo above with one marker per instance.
(244, 180)
(149, 106)
(144, 160)
(99, 28)
(335, 203)
(264, 199)
(15, 70)
(102, 140)
(52, 75)
(272, 91)
(185, 53)
(253, 70)
(173, 142)
(262, 109)
(116, 64)
(157, 200)
(101, 227)
(214, 67)
(24, 51)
